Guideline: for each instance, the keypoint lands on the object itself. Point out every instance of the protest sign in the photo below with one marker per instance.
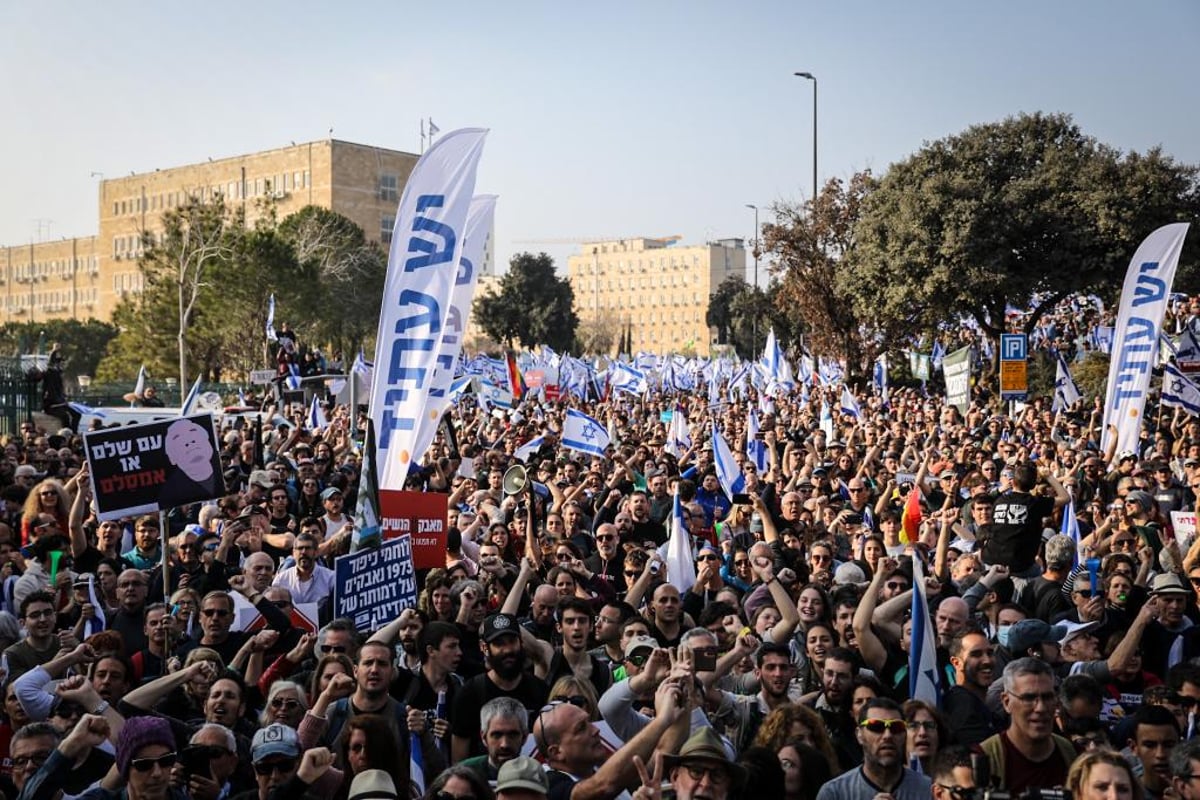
(141, 469)
(1184, 523)
(421, 515)
(262, 377)
(956, 367)
(372, 587)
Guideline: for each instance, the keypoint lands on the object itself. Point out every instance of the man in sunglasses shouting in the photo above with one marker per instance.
(882, 776)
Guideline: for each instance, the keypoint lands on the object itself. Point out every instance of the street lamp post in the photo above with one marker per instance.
(754, 325)
(811, 77)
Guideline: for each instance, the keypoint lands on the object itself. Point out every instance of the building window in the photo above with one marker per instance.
(306, 183)
(386, 223)
(387, 188)
(295, 180)
(258, 187)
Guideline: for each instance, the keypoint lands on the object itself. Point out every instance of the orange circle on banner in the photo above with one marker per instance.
(433, 414)
(1133, 412)
(403, 456)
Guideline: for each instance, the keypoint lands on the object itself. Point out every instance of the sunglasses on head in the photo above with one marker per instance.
(166, 761)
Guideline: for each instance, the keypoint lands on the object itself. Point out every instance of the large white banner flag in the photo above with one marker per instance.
(479, 225)
(1135, 338)
(422, 266)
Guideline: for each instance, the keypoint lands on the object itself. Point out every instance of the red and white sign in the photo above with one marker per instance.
(421, 515)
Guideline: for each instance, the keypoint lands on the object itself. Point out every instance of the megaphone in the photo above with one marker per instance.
(516, 478)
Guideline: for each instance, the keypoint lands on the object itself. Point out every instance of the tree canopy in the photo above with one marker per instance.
(533, 305)
(742, 314)
(1002, 213)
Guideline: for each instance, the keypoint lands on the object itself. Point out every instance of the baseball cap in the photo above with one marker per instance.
(498, 625)
(330, 492)
(274, 740)
(639, 643)
(1031, 632)
(261, 478)
(522, 772)
(1126, 455)
(849, 573)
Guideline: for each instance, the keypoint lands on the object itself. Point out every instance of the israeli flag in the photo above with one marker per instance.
(679, 437)
(190, 401)
(271, 335)
(99, 622)
(458, 386)
(628, 379)
(83, 410)
(923, 683)
(880, 378)
(826, 421)
(293, 378)
(581, 432)
(416, 762)
(939, 352)
(756, 449)
(316, 416)
(681, 563)
(1070, 527)
(241, 398)
(849, 405)
(361, 366)
(728, 472)
(776, 365)
(1178, 391)
(1066, 391)
(529, 449)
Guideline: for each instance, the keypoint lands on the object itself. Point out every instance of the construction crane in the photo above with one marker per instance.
(582, 240)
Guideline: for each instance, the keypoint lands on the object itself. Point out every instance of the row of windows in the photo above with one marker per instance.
(57, 300)
(282, 182)
(649, 262)
(62, 267)
(128, 245)
(640, 300)
(664, 317)
(128, 282)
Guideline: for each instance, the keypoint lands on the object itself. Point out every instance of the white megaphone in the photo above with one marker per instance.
(516, 478)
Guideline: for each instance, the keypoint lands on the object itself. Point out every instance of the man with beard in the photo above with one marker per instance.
(833, 703)
(881, 734)
(571, 658)
(505, 677)
(308, 581)
(436, 679)
(133, 588)
(373, 675)
(606, 562)
(964, 704)
(504, 727)
(608, 634)
(744, 714)
(405, 629)
(1155, 733)
(40, 644)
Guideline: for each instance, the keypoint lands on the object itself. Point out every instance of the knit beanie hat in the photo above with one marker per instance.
(138, 733)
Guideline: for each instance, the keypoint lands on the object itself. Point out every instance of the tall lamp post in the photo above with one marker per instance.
(754, 325)
(811, 77)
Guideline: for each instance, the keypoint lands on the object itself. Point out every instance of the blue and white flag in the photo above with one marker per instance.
(529, 449)
(316, 416)
(1135, 339)
(679, 437)
(728, 472)
(478, 226)
(681, 563)
(242, 398)
(581, 432)
(1178, 391)
(99, 622)
(1102, 338)
(627, 379)
(880, 378)
(83, 410)
(849, 405)
(1066, 391)
(939, 352)
(190, 401)
(271, 335)
(756, 448)
(293, 376)
(826, 420)
(1070, 527)
(139, 388)
(361, 366)
(416, 762)
(923, 678)
(775, 363)
(422, 267)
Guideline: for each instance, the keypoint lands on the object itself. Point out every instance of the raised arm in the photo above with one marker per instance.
(873, 651)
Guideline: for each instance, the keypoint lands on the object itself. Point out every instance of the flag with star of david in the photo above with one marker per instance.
(1178, 391)
(581, 432)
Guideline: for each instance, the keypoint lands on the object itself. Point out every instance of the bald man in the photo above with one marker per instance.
(951, 619)
(541, 614)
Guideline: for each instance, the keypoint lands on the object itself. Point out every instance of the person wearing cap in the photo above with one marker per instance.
(522, 778)
(275, 753)
(701, 769)
(334, 517)
(1172, 637)
(506, 676)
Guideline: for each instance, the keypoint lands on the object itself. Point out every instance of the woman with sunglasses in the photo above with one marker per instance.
(48, 497)
(578, 693)
(286, 704)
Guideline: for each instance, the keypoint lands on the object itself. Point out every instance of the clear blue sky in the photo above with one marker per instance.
(650, 118)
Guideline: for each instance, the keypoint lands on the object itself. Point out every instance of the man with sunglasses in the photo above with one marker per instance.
(217, 611)
(882, 735)
(952, 774)
(606, 562)
(145, 755)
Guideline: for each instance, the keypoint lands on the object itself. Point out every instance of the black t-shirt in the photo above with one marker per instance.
(967, 716)
(1015, 534)
(561, 785)
(531, 692)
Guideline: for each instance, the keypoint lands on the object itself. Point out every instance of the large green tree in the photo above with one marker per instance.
(533, 305)
(742, 315)
(809, 244)
(1002, 213)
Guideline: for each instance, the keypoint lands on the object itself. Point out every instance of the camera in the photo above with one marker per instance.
(654, 568)
(982, 773)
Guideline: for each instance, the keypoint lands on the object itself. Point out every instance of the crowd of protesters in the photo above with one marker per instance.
(554, 656)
